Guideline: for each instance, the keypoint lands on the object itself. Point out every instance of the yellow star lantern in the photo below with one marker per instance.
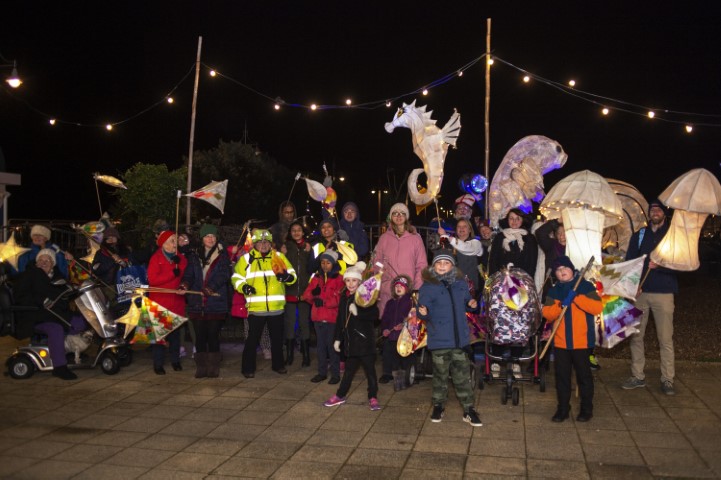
(10, 251)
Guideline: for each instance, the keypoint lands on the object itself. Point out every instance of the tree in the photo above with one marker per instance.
(257, 183)
(151, 194)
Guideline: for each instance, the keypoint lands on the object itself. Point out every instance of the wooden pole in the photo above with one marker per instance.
(192, 130)
(97, 192)
(487, 122)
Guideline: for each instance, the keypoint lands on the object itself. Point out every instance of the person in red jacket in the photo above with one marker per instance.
(323, 293)
(165, 270)
(574, 336)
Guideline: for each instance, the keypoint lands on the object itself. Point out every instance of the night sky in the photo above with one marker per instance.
(100, 62)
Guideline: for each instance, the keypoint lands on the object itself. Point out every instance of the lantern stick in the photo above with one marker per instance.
(97, 192)
(563, 311)
(177, 212)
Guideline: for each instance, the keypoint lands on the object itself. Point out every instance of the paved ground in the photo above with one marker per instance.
(140, 425)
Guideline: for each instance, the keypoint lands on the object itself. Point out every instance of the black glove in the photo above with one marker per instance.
(318, 302)
(175, 259)
(248, 289)
(176, 271)
(316, 291)
(284, 277)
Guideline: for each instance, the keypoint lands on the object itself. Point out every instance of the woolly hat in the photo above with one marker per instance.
(329, 221)
(467, 199)
(653, 203)
(40, 230)
(401, 280)
(399, 207)
(356, 271)
(208, 229)
(444, 254)
(563, 261)
(329, 255)
(111, 232)
(160, 225)
(48, 252)
(164, 236)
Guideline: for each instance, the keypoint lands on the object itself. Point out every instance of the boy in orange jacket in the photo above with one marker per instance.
(575, 335)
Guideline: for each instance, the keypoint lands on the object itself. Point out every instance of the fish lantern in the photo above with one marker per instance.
(586, 204)
(519, 178)
(635, 210)
(693, 196)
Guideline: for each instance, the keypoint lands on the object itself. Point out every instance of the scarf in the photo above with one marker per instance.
(209, 258)
(513, 235)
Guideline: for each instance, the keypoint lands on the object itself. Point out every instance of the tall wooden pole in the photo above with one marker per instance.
(192, 131)
(488, 110)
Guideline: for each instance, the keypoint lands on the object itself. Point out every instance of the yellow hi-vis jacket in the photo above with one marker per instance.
(257, 271)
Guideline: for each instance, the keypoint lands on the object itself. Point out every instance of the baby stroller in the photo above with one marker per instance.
(513, 321)
(112, 352)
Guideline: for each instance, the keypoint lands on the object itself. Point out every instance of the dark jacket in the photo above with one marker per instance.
(356, 233)
(357, 331)
(217, 279)
(31, 289)
(659, 280)
(395, 313)
(298, 257)
(524, 259)
(447, 306)
(105, 267)
(550, 246)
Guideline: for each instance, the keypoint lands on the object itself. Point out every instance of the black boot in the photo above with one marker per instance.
(560, 415)
(305, 351)
(201, 364)
(289, 347)
(64, 373)
(585, 415)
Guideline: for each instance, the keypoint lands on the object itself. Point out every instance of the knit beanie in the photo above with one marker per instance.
(48, 252)
(329, 255)
(164, 236)
(563, 261)
(399, 207)
(356, 271)
(111, 232)
(444, 254)
(208, 229)
(40, 230)
(329, 221)
(350, 206)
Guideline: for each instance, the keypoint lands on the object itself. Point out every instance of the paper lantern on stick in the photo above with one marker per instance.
(694, 195)
(316, 190)
(330, 200)
(587, 204)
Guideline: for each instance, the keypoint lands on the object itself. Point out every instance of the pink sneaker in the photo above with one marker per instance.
(373, 404)
(334, 400)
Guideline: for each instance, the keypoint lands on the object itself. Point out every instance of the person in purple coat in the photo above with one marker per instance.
(394, 314)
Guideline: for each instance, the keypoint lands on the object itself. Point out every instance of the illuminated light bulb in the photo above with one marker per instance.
(460, 73)
(425, 91)
(605, 111)
(170, 100)
(689, 128)
(526, 79)
(388, 103)
(314, 107)
(489, 61)
(51, 121)
(572, 83)
(213, 73)
(108, 127)
(651, 114)
(348, 101)
(276, 106)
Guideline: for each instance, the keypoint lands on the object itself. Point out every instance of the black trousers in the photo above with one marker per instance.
(207, 335)
(351, 366)
(578, 359)
(255, 329)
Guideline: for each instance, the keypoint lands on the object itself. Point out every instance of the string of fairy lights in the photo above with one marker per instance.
(606, 105)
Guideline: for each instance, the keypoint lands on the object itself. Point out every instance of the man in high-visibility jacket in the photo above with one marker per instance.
(261, 275)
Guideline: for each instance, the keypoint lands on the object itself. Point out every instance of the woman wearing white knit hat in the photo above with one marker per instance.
(40, 236)
(401, 251)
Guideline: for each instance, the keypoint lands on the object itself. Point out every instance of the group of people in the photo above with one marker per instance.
(288, 282)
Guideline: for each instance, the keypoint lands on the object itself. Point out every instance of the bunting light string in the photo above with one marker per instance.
(607, 104)
(53, 120)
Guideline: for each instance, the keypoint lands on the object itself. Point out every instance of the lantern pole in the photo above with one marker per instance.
(488, 108)
(192, 131)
